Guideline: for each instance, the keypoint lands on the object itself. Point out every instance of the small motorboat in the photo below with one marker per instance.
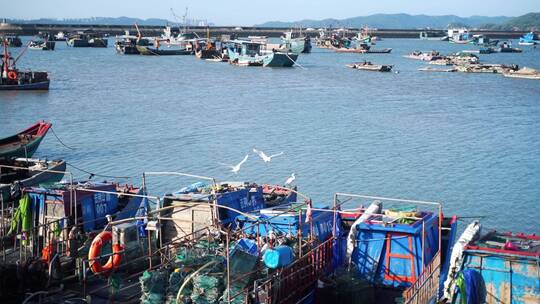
(368, 66)
(41, 45)
(27, 172)
(431, 69)
(424, 56)
(24, 143)
(506, 47)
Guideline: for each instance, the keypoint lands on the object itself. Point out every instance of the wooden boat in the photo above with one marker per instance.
(13, 79)
(13, 40)
(38, 172)
(524, 73)
(145, 50)
(368, 66)
(506, 47)
(24, 143)
(363, 49)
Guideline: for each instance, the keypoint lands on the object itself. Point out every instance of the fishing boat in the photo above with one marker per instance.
(483, 51)
(459, 36)
(12, 78)
(524, 73)
(424, 56)
(24, 143)
(87, 39)
(127, 44)
(296, 42)
(13, 40)
(529, 39)
(248, 53)
(156, 51)
(362, 48)
(210, 49)
(368, 66)
(493, 267)
(432, 35)
(431, 69)
(482, 40)
(42, 45)
(506, 47)
(28, 172)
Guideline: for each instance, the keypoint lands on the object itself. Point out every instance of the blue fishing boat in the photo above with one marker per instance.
(249, 53)
(296, 42)
(529, 39)
(494, 268)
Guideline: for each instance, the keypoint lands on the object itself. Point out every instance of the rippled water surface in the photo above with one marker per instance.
(471, 141)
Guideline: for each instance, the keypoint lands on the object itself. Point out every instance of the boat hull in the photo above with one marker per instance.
(279, 60)
(144, 50)
(13, 146)
(44, 85)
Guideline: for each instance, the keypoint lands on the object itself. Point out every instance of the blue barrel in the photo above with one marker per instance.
(279, 256)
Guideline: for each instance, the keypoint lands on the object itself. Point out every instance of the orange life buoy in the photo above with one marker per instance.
(95, 253)
(12, 75)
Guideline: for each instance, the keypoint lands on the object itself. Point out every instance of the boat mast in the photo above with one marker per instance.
(6, 58)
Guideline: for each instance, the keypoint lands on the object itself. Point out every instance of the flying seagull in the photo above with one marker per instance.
(265, 157)
(290, 179)
(236, 168)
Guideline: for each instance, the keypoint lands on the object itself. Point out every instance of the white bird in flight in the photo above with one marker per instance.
(236, 167)
(265, 157)
(290, 179)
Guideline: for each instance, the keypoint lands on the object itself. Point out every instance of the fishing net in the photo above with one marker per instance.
(237, 296)
(345, 288)
(154, 286)
(175, 281)
(199, 254)
(206, 289)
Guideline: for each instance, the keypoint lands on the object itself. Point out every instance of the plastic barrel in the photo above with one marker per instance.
(279, 256)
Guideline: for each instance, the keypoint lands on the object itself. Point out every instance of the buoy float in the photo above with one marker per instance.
(95, 253)
(12, 75)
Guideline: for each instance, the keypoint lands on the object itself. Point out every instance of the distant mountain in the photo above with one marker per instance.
(395, 21)
(527, 22)
(95, 20)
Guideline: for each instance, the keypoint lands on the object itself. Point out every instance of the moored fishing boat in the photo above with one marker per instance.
(156, 51)
(529, 39)
(493, 267)
(87, 39)
(425, 56)
(506, 47)
(24, 143)
(296, 42)
(43, 45)
(362, 48)
(368, 66)
(248, 53)
(13, 40)
(27, 172)
(12, 78)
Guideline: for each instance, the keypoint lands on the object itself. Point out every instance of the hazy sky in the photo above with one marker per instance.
(249, 12)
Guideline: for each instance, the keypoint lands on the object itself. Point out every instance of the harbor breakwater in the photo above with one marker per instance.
(34, 29)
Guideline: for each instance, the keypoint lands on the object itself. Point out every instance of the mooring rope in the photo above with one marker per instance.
(60, 141)
(99, 175)
(296, 63)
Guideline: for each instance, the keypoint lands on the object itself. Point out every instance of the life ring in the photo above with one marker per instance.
(12, 75)
(95, 253)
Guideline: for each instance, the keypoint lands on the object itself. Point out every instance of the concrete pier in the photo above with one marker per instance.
(34, 29)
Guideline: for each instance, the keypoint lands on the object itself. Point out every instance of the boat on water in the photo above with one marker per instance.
(433, 35)
(424, 56)
(157, 51)
(432, 69)
(368, 66)
(524, 73)
(493, 267)
(11, 78)
(482, 40)
(209, 49)
(362, 48)
(459, 36)
(42, 45)
(248, 53)
(506, 47)
(24, 143)
(296, 42)
(529, 39)
(13, 40)
(28, 172)
(482, 51)
(127, 44)
(87, 39)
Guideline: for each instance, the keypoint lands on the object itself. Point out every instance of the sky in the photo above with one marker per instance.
(250, 12)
